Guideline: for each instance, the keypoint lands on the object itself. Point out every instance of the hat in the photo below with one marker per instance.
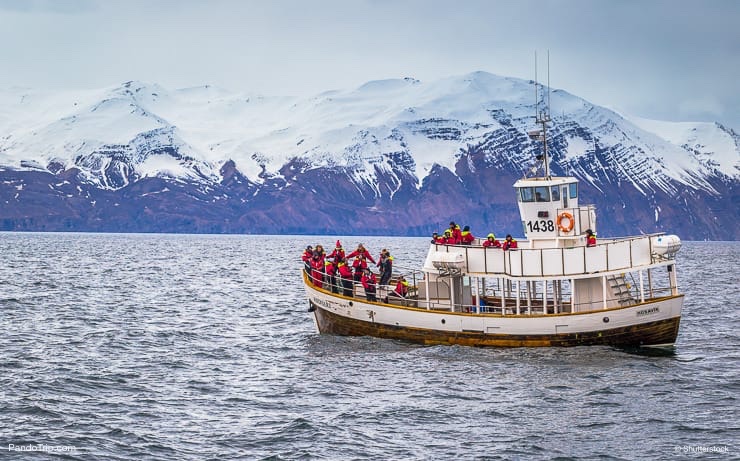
(508, 236)
(466, 228)
(452, 223)
(589, 231)
(448, 231)
(309, 247)
(491, 236)
(435, 233)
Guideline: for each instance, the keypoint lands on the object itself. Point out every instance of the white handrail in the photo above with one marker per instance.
(624, 254)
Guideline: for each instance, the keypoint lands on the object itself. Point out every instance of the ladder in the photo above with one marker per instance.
(620, 289)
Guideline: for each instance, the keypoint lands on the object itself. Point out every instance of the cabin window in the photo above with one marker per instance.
(542, 194)
(573, 190)
(555, 194)
(526, 194)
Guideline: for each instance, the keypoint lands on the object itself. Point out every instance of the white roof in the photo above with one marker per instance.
(540, 181)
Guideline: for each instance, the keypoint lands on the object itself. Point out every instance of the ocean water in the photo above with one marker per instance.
(138, 347)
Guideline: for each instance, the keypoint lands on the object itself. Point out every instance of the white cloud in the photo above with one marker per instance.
(708, 105)
(658, 59)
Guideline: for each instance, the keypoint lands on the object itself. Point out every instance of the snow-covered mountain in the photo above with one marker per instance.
(393, 156)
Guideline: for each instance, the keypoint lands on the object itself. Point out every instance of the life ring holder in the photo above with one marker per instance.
(571, 221)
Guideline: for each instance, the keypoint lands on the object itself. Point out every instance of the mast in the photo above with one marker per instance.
(542, 117)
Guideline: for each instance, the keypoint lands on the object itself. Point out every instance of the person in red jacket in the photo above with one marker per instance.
(345, 273)
(338, 253)
(436, 239)
(369, 283)
(317, 269)
(456, 232)
(359, 265)
(466, 237)
(448, 239)
(330, 276)
(510, 243)
(306, 258)
(402, 288)
(320, 249)
(491, 242)
(361, 251)
(590, 238)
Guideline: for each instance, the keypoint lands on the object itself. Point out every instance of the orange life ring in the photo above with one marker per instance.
(569, 217)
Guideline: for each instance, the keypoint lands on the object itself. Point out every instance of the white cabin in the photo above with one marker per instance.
(550, 213)
(553, 264)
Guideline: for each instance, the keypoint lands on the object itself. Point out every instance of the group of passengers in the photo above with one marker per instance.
(334, 271)
(455, 236)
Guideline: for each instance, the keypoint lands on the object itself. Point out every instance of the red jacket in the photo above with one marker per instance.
(360, 262)
(466, 238)
(306, 256)
(591, 241)
(369, 281)
(402, 288)
(492, 243)
(344, 270)
(337, 254)
(361, 252)
(317, 271)
(317, 264)
(510, 244)
(456, 234)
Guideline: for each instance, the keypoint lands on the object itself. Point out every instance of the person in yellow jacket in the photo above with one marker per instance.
(385, 263)
(402, 288)
(466, 237)
(510, 243)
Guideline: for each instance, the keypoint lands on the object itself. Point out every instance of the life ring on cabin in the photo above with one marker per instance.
(569, 226)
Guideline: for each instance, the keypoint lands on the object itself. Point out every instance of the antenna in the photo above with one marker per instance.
(548, 83)
(542, 117)
(536, 92)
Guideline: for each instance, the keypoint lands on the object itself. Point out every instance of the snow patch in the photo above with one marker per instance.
(156, 165)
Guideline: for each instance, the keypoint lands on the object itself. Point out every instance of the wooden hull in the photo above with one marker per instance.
(651, 323)
(662, 332)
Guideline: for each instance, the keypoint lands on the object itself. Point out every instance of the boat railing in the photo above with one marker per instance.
(383, 293)
(496, 300)
(608, 255)
(502, 299)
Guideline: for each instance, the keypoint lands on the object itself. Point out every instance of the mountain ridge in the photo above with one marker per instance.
(381, 147)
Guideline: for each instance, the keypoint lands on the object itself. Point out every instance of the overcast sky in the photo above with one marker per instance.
(670, 60)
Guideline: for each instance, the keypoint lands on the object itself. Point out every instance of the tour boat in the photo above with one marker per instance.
(553, 290)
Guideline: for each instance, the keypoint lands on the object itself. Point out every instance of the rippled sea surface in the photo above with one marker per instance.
(136, 347)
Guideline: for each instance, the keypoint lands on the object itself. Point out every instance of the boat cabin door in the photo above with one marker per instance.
(564, 194)
(462, 294)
